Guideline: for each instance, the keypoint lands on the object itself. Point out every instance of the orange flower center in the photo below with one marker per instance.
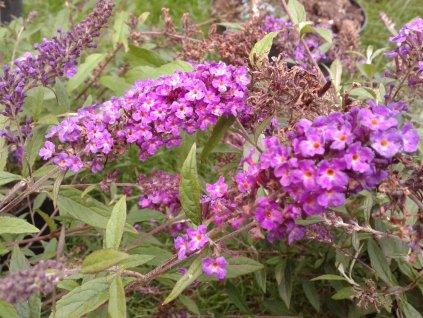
(343, 138)
(355, 157)
(374, 121)
(384, 142)
(316, 145)
(308, 174)
(330, 172)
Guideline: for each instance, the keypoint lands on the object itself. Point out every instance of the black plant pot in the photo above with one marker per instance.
(12, 9)
(363, 12)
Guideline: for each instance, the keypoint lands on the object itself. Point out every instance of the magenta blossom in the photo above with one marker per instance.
(387, 143)
(218, 189)
(215, 267)
(48, 150)
(358, 158)
(198, 238)
(268, 214)
(331, 174)
(181, 243)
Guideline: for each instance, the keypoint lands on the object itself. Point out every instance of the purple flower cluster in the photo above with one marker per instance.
(160, 192)
(326, 160)
(151, 115)
(42, 278)
(56, 57)
(192, 241)
(329, 158)
(289, 43)
(220, 204)
(408, 54)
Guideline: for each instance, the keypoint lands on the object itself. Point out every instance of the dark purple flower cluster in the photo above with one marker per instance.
(42, 278)
(289, 43)
(151, 115)
(327, 160)
(56, 57)
(408, 54)
(160, 192)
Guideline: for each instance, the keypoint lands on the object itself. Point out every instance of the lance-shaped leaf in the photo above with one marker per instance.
(297, 11)
(116, 224)
(83, 299)
(190, 276)
(117, 301)
(102, 259)
(6, 177)
(13, 225)
(262, 48)
(222, 126)
(189, 188)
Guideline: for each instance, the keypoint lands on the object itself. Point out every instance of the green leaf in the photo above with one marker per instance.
(306, 27)
(13, 225)
(363, 93)
(4, 152)
(237, 299)
(83, 299)
(116, 84)
(409, 311)
(312, 294)
(56, 187)
(189, 277)
(62, 96)
(297, 11)
(121, 30)
(241, 266)
(336, 74)
(138, 56)
(328, 277)
(7, 177)
(34, 103)
(33, 147)
(7, 310)
(18, 261)
(84, 71)
(262, 48)
(116, 224)
(222, 126)
(261, 127)
(325, 34)
(309, 221)
(189, 188)
(136, 260)
(286, 282)
(148, 72)
(379, 262)
(83, 210)
(117, 301)
(261, 279)
(189, 304)
(368, 70)
(143, 215)
(343, 293)
(102, 259)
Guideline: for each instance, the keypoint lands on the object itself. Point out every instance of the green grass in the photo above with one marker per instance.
(399, 11)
